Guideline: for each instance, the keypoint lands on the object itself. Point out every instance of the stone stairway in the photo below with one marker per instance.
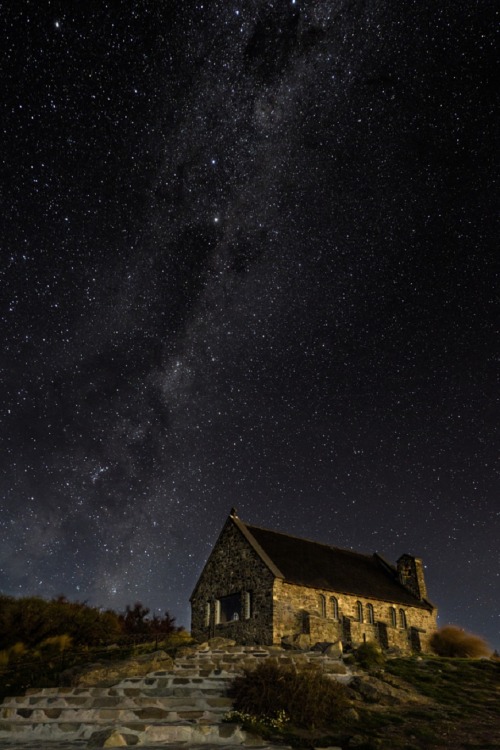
(184, 705)
(162, 707)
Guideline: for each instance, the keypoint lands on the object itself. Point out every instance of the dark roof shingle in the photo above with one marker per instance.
(307, 563)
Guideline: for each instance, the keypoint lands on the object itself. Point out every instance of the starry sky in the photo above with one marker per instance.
(247, 260)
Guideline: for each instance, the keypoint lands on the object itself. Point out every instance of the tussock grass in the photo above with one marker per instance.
(452, 641)
(307, 697)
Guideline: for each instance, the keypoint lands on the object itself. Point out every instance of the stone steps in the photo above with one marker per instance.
(144, 733)
(101, 715)
(83, 703)
(184, 706)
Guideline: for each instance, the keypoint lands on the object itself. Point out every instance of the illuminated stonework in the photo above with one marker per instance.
(259, 586)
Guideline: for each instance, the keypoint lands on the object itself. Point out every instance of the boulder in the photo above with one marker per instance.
(373, 690)
(112, 738)
(106, 674)
(220, 642)
(201, 646)
(299, 642)
(334, 650)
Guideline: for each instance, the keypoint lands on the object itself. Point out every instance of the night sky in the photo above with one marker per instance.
(247, 259)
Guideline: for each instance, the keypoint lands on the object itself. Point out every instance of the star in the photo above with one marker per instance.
(274, 283)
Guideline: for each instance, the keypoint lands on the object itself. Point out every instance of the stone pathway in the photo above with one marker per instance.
(181, 707)
(82, 745)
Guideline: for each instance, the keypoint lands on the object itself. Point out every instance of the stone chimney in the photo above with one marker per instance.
(411, 575)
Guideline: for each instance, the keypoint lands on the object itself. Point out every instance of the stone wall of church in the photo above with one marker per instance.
(233, 569)
(329, 616)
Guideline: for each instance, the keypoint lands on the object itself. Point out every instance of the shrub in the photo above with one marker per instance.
(34, 620)
(17, 650)
(309, 698)
(57, 643)
(455, 642)
(369, 655)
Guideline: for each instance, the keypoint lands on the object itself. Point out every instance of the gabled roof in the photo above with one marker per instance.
(320, 566)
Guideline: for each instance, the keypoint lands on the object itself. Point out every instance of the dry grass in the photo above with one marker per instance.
(452, 641)
(307, 697)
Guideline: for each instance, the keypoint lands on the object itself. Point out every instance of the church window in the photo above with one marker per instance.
(402, 618)
(207, 614)
(322, 605)
(229, 608)
(359, 611)
(334, 607)
(369, 614)
(392, 615)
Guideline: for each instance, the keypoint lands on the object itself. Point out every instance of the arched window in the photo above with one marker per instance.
(392, 615)
(334, 607)
(369, 614)
(207, 614)
(402, 618)
(322, 605)
(359, 611)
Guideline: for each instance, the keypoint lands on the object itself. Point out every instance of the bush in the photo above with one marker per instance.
(455, 642)
(57, 643)
(36, 621)
(369, 656)
(17, 650)
(33, 620)
(309, 698)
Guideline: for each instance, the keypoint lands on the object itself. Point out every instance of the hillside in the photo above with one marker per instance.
(406, 704)
(451, 703)
(409, 704)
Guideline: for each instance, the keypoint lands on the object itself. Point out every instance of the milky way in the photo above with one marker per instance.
(247, 260)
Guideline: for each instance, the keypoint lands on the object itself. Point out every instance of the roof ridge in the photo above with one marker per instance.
(311, 541)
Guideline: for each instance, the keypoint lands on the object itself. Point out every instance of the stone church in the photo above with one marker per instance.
(260, 586)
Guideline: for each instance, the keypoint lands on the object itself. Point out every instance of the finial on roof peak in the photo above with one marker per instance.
(233, 512)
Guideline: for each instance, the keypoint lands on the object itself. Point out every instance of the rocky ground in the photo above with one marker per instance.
(405, 704)
(422, 704)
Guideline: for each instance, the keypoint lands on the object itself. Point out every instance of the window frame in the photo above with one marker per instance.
(403, 624)
(393, 616)
(226, 614)
(322, 605)
(334, 607)
(247, 605)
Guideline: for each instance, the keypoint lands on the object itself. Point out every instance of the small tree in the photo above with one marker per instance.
(164, 625)
(134, 620)
(456, 642)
